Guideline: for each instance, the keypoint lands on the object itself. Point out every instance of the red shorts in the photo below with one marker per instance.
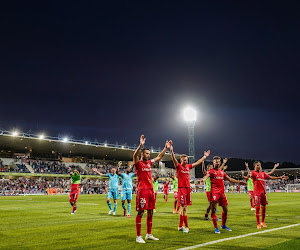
(185, 197)
(175, 195)
(208, 194)
(145, 199)
(260, 199)
(166, 191)
(73, 195)
(220, 198)
(251, 194)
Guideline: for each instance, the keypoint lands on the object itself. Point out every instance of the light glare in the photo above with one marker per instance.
(189, 114)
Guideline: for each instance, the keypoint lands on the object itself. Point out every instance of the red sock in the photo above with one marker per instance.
(138, 224)
(224, 218)
(149, 224)
(214, 219)
(257, 215)
(252, 202)
(263, 214)
(175, 204)
(74, 207)
(181, 221)
(185, 221)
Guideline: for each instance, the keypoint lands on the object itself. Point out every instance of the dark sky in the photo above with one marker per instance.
(112, 71)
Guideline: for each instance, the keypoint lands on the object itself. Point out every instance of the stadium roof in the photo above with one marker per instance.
(24, 143)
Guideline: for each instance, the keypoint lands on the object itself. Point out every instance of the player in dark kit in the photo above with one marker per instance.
(145, 195)
(217, 177)
(260, 197)
(75, 181)
(184, 186)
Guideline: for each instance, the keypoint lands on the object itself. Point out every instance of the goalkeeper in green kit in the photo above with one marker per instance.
(75, 181)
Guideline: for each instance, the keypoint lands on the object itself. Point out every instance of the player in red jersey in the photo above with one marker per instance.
(75, 181)
(166, 189)
(184, 187)
(260, 197)
(145, 196)
(208, 184)
(217, 177)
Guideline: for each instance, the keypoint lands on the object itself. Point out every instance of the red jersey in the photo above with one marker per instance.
(217, 180)
(259, 182)
(166, 185)
(183, 175)
(143, 172)
(74, 187)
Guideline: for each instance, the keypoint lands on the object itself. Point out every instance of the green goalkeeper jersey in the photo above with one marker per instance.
(75, 178)
(208, 185)
(175, 184)
(155, 185)
(250, 184)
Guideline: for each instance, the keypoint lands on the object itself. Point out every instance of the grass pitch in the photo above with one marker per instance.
(45, 222)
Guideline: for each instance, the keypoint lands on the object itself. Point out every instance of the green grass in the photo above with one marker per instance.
(45, 222)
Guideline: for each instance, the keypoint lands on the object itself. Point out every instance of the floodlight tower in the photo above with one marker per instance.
(190, 118)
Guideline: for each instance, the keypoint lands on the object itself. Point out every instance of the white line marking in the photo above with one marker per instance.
(237, 237)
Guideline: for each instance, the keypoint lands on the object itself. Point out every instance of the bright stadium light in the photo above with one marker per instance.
(41, 137)
(86, 143)
(15, 133)
(105, 145)
(65, 139)
(122, 147)
(189, 114)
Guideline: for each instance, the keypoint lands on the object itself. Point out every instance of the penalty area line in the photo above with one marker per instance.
(237, 237)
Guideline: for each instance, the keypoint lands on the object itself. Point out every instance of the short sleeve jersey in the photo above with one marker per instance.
(143, 172)
(183, 175)
(113, 181)
(127, 181)
(259, 181)
(217, 180)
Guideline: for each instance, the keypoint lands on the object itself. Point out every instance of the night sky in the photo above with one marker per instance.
(113, 71)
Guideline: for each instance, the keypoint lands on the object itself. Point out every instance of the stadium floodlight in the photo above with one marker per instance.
(65, 139)
(41, 137)
(189, 114)
(15, 133)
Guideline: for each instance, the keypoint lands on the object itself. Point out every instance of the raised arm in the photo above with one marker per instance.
(137, 151)
(206, 154)
(95, 170)
(273, 170)
(248, 169)
(243, 176)
(223, 164)
(175, 162)
(162, 153)
(203, 169)
(118, 168)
